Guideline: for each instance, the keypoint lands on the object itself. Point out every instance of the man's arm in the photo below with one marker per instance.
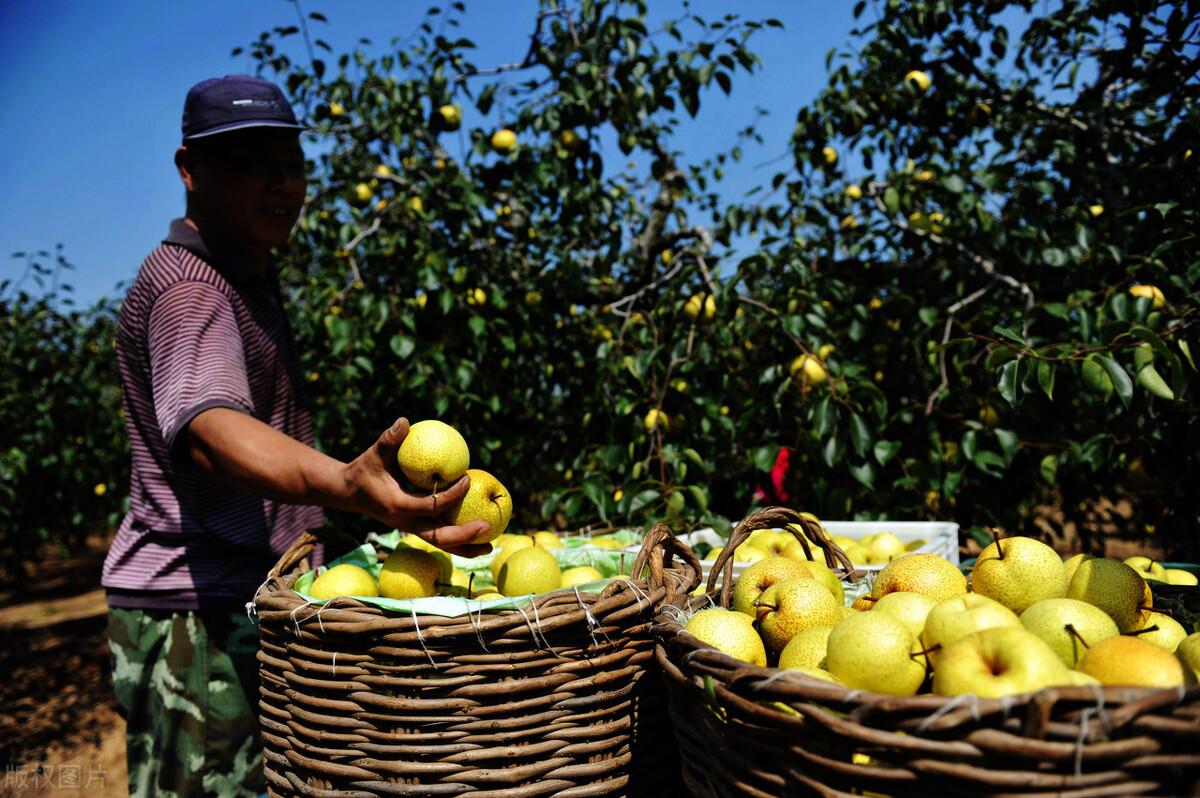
(235, 447)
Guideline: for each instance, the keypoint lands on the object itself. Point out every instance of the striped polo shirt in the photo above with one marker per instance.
(197, 332)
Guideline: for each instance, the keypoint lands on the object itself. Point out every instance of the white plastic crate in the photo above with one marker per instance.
(941, 538)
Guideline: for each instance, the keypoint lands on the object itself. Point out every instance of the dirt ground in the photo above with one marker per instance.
(60, 734)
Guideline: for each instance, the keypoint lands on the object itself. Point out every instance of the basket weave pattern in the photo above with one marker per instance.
(751, 731)
(560, 699)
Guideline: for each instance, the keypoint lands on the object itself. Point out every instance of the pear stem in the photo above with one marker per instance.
(996, 539)
(768, 606)
(928, 651)
(1137, 632)
(1071, 630)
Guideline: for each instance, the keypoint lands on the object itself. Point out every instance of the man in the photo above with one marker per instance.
(224, 475)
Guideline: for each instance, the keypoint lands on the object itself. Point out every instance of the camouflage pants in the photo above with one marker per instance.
(187, 685)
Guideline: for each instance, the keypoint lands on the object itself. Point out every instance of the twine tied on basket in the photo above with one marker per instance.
(1085, 722)
(950, 706)
(592, 623)
(421, 640)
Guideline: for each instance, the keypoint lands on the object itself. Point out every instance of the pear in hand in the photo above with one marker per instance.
(1018, 572)
(433, 455)
(995, 662)
(486, 500)
(874, 651)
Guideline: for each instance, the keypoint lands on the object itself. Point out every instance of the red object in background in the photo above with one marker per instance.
(775, 492)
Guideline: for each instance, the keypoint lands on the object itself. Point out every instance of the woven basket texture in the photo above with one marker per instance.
(749, 731)
(562, 699)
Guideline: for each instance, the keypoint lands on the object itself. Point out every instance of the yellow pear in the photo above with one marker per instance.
(1068, 626)
(1178, 576)
(547, 540)
(1071, 563)
(519, 542)
(580, 575)
(1018, 572)
(504, 141)
(887, 546)
(411, 541)
(1112, 586)
(807, 649)
(529, 570)
(959, 616)
(927, 574)
(875, 651)
(731, 632)
(409, 573)
(1132, 662)
(346, 579)
(821, 573)
(910, 608)
(486, 500)
(789, 607)
(1188, 653)
(995, 662)
(774, 541)
(1161, 630)
(1147, 568)
(760, 576)
(433, 455)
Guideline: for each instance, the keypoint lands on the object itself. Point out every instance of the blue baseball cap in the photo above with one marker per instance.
(235, 102)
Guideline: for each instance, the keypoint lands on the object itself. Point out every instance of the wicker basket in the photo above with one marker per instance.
(561, 699)
(745, 730)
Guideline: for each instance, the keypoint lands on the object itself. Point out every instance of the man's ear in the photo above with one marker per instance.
(185, 164)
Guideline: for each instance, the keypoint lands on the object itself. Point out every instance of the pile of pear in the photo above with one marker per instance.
(521, 565)
(876, 548)
(1027, 620)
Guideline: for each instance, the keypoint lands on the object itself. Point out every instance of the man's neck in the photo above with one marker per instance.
(226, 246)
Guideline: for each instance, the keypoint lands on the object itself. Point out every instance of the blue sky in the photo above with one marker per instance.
(94, 90)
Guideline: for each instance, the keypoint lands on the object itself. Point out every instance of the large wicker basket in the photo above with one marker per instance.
(752, 731)
(561, 699)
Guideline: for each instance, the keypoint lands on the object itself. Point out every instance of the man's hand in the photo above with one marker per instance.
(374, 488)
(236, 447)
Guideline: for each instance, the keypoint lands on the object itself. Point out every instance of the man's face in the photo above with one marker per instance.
(250, 184)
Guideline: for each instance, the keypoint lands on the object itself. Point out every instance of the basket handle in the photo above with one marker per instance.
(803, 526)
(657, 555)
(300, 552)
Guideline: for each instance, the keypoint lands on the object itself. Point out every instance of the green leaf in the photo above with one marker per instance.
(989, 463)
(1045, 377)
(860, 434)
(764, 457)
(886, 450)
(1049, 468)
(1187, 352)
(864, 472)
(891, 200)
(1009, 442)
(1120, 379)
(699, 497)
(953, 184)
(1009, 382)
(402, 346)
(478, 325)
(642, 500)
(1149, 378)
